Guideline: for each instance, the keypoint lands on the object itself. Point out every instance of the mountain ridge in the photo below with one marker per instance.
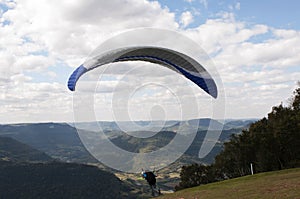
(13, 150)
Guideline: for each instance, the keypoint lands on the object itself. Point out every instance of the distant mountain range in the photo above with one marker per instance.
(58, 140)
(202, 124)
(32, 156)
(239, 123)
(61, 140)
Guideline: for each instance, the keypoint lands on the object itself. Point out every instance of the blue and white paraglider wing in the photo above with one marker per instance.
(171, 59)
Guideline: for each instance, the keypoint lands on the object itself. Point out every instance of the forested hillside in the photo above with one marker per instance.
(58, 180)
(13, 150)
(270, 144)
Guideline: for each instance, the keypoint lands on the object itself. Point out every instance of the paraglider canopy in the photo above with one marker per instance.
(171, 59)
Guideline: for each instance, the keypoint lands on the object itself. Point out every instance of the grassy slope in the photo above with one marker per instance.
(278, 184)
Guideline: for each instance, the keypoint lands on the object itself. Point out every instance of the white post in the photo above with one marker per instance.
(251, 166)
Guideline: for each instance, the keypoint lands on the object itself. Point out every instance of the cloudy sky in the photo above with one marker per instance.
(255, 46)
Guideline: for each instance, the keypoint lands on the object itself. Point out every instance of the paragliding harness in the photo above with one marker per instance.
(151, 179)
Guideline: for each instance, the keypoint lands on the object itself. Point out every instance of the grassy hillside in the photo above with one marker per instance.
(278, 184)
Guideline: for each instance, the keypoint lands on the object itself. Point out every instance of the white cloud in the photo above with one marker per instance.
(67, 36)
(279, 52)
(8, 3)
(258, 61)
(186, 18)
(258, 69)
(20, 78)
(30, 102)
(62, 34)
(219, 33)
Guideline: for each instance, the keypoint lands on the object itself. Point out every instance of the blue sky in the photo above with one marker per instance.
(254, 45)
(275, 13)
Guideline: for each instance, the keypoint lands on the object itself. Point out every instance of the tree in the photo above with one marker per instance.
(271, 143)
(195, 175)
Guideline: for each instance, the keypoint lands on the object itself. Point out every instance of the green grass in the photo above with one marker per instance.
(278, 184)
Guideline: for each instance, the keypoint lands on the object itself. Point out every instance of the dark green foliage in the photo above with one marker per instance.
(271, 143)
(196, 174)
(58, 180)
(296, 101)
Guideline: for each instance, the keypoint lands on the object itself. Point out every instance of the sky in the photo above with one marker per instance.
(255, 47)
